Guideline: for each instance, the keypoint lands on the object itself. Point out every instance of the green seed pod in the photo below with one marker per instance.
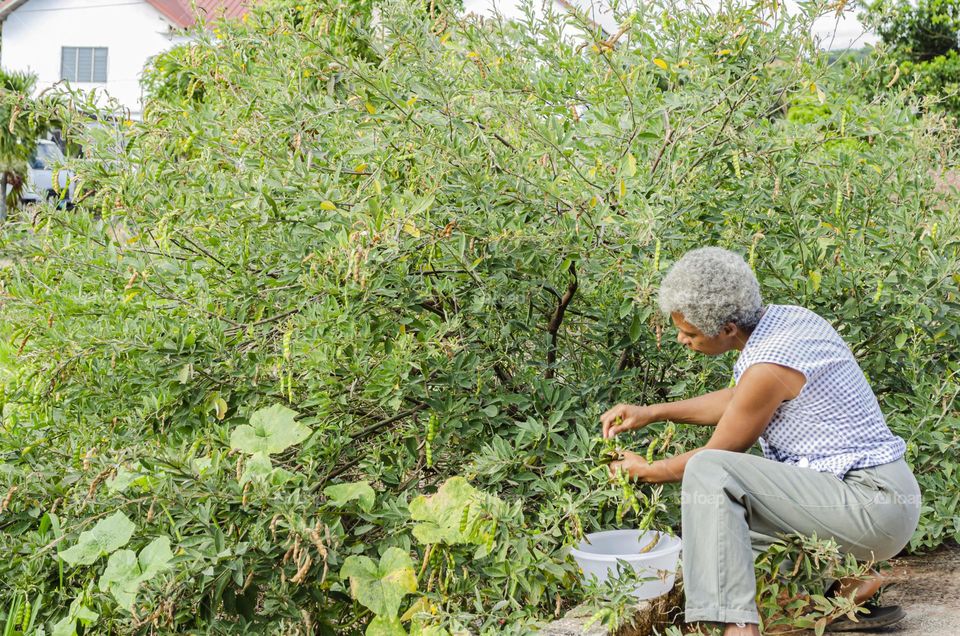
(736, 165)
(25, 621)
(647, 518)
(838, 204)
(656, 256)
(464, 519)
(650, 450)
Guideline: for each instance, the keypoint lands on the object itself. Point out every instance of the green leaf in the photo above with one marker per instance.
(340, 494)
(271, 430)
(381, 588)
(257, 468)
(108, 535)
(67, 626)
(900, 340)
(125, 571)
(121, 577)
(636, 328)
(383, 626)
(155, 557)
(122, 480)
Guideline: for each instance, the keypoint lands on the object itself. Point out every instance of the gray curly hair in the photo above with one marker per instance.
(712, 286)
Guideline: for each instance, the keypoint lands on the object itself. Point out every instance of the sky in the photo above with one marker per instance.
(832, 33)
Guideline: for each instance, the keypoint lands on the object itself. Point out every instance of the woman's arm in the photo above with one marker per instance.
(762, 388)
(704, 409)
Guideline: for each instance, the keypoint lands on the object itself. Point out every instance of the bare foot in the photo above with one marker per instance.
(862, 590)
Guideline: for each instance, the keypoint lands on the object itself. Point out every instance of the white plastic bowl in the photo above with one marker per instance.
(598, 553)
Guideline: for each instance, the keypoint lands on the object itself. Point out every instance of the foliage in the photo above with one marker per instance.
(917, 31)
(791, 589)
(922, 42)
(18, 133)
(937, 80)
(300, 325)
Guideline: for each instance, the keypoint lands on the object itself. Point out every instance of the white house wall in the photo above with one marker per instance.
(132, 31)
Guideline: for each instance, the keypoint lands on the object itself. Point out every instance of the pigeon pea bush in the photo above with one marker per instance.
(323, 347)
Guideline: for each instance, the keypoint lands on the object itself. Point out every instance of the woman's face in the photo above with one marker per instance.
(695, 340)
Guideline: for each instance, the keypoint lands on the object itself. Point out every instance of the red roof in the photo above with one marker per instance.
(179, 12)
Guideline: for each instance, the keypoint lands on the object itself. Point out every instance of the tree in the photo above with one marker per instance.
(923, 40)
(18, 134)
(918, 32)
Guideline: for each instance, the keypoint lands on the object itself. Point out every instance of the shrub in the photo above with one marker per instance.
(340, 331)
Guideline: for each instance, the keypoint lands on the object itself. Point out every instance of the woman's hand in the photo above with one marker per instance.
(625, 417)
(633, 465)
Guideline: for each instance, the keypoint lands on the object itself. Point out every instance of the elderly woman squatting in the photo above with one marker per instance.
(830, 466)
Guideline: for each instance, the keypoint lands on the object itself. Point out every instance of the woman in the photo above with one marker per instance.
(830, 466)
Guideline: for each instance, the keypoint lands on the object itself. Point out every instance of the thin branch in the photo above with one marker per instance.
(556, 321)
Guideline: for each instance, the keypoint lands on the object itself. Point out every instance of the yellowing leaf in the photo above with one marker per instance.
(724, 52)
(661, 63)
(371, 108)
(420, 606)
(623, 189)
(411, 229)
(631, 165)
(441, 515)
(327, 205)
(221, 406)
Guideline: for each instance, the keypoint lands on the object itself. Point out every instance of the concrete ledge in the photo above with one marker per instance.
(646, 616)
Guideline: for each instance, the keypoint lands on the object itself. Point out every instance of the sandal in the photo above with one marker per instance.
(875, 618)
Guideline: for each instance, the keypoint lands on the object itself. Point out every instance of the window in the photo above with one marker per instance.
(83, 64)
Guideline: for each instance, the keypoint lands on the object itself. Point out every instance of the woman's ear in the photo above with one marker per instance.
(730, 329)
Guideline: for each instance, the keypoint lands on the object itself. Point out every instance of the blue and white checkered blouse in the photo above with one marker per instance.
(834, 425)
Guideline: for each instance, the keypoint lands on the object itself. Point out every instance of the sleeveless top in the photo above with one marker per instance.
(834, 425)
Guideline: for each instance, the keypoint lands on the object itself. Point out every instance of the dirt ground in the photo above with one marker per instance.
(928, 589)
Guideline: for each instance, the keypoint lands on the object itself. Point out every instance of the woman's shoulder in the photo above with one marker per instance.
(797, 319)
(791, 334)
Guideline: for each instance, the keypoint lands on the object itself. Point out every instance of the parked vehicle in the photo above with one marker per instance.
(42, 166)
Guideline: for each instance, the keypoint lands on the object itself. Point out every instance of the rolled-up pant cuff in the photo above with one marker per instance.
(720, 615)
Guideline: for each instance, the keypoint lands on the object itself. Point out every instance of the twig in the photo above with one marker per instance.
(557, 319)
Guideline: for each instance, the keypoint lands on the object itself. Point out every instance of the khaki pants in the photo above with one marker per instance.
(734, 506)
